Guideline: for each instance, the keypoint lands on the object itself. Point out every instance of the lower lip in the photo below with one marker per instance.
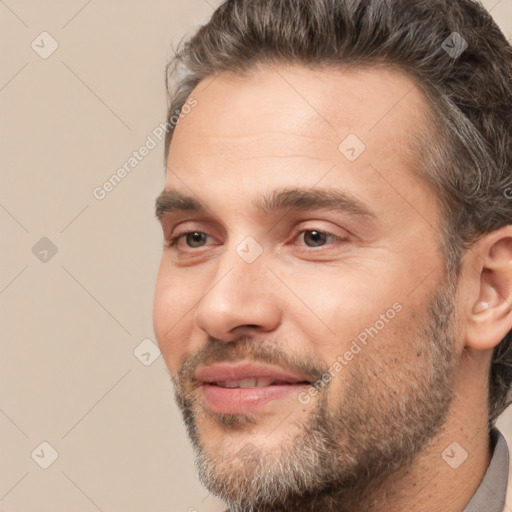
(244, 400)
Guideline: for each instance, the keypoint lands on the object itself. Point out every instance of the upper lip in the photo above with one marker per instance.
(241, 371)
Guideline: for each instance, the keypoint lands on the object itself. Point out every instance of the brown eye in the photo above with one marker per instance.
(314, 238)
(195, 238)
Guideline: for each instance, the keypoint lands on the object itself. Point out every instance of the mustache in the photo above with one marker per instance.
(245, 349)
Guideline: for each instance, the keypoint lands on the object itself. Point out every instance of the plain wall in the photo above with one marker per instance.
(70, 321)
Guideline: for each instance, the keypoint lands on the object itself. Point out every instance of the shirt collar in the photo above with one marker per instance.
(490, 495)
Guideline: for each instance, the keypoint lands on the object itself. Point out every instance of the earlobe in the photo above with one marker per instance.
(490, 316)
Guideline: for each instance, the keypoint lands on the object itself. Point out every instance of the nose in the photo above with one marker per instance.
(239, 301)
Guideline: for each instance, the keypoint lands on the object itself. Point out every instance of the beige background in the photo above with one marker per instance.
(69, 324)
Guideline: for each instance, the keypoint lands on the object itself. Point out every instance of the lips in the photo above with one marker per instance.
(246, 387)
(247, 372)
(258, 382)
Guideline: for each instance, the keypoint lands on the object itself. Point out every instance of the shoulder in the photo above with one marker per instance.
(508, 499)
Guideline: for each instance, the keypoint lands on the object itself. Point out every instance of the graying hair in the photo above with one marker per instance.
(465, 147)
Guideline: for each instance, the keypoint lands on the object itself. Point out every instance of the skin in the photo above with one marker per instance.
(280, 128)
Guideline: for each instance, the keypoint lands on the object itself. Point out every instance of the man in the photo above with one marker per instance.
(334, 301)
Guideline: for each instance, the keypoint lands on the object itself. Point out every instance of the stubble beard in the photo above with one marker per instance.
(345, 453)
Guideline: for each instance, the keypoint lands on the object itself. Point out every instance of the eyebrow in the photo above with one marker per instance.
(173, 201)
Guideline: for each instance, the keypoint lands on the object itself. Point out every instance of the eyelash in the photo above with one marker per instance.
(173, 240)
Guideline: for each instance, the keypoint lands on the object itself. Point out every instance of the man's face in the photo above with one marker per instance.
(308, 261)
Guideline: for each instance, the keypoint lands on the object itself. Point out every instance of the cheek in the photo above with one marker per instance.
(338, 303)
(345, 306)
(173, 313)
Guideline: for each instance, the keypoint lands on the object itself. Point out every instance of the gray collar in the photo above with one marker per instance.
(490, 495)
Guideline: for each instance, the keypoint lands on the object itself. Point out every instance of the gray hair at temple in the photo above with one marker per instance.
(464, 149)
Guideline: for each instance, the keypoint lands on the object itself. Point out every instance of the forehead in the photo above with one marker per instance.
(304, 100)
(290, 123)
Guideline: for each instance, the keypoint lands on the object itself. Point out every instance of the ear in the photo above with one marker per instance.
(488, 271)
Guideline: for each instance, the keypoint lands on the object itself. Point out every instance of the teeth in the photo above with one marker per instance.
(245, 383)
(230, 384)
(263, 382)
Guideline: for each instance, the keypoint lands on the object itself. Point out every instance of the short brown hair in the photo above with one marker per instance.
(454, 52)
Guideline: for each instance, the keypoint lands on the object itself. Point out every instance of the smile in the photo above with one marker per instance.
(246, 387)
